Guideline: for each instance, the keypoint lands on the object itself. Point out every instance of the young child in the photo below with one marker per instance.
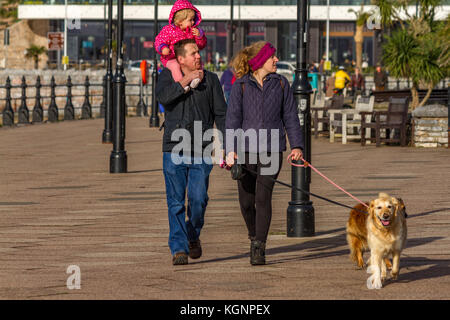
(183, 21)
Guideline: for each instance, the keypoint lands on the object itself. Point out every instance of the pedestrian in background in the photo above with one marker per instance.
(226, 81)
(260, 99)
(330, 85)
(313, 67)
(342, 80)
(380, 78)
(358, 83)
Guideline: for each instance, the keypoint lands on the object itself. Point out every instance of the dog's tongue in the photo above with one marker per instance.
(385, 222)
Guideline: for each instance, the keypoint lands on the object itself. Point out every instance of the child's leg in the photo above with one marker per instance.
(175, 69)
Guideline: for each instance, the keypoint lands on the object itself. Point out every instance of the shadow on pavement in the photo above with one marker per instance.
(318, 249)
(143, 171)
(416, 242)
(436, 269)
(427, 213)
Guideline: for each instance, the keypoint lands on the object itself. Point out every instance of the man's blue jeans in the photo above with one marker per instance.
(178, 177)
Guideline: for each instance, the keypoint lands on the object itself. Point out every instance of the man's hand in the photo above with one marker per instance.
(165, 51)
(195, 32)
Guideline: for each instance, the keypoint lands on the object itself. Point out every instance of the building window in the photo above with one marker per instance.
(256, 31)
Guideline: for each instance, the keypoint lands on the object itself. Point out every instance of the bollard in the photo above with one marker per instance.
(86, 109)
(23, 112)
(146, 101)
(8, 112)
(69, 111)
(103, 104)
(52, 112)
(38, 111)
(141, 105)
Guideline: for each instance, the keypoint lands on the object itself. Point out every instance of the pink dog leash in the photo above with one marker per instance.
(307, 164)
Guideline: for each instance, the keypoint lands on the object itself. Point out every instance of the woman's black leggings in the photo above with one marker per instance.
(255, 198)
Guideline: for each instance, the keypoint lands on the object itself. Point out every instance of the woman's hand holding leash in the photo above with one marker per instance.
(231, 156)
(296, 154)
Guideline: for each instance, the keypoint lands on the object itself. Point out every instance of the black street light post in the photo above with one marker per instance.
(154, 118)
(300, 213)
(231, 32)
(107, 136)
(118, 159)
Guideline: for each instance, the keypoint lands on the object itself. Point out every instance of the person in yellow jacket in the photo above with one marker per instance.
(342, 79)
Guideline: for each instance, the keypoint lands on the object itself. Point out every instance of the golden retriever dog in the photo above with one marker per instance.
(382, 229)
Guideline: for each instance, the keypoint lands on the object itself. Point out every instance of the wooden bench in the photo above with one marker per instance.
(396, 118)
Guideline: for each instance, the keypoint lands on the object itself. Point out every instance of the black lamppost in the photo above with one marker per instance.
(107, 136)
(118, 159)
(231, 32)
(300, 213)
(154, 118)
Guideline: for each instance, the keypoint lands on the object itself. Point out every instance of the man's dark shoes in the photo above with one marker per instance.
(180, 258)
(257, 253)
(195, 249)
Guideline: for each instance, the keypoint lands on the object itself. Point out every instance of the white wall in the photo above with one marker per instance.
(137, 12)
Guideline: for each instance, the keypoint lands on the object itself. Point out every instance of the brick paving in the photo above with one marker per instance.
(60, 206)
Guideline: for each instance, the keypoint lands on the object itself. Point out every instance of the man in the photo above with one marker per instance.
(204, 104)
(358, 82)
(380, 78)
(342, 79)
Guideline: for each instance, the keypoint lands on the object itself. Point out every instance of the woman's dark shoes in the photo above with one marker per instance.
(257, 253)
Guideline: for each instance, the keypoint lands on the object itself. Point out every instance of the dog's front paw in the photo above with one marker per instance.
(394, 275)
(374, 283)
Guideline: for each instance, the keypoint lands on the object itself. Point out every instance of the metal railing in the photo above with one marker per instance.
(53, 110)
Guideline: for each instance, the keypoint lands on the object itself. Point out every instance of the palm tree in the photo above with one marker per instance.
(33, 52)
(416, 50)
(361, 18)
(8, 12)
(444, 40)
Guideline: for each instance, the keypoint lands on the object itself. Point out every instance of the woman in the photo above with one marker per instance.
(260, 99)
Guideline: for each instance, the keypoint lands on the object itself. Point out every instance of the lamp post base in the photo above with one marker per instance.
(300, 219)
(154, 121)
(107, 136)
(118, 162)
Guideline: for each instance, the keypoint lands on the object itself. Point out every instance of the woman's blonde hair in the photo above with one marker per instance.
(240, 62)
(181, 15)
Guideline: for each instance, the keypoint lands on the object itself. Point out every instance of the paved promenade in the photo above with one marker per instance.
(60, 206)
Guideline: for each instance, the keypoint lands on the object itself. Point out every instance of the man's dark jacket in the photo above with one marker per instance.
(205, 103)
(380, 78)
